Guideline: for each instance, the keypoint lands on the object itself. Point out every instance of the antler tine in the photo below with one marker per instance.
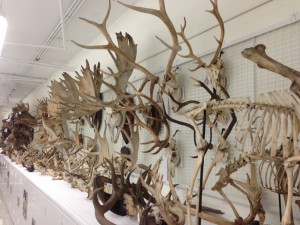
(112, 47)
(216, 13)
(154, 12)
(103, 24)
(128, 177)
(182, 104)
(143, 125)
(111, 73)
(122, 172)
(159, 147)
(102, 28)
(158, 143)
(189, 46)
(140, 102)
(156, 179)
(212, 94)
(113, 173)
(163, 16)
(144, 175)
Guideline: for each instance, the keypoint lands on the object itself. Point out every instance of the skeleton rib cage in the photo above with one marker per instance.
(269, 131)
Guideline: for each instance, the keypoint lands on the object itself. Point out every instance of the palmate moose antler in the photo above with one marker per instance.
(68, 96)
(124, 59)
(123, 55)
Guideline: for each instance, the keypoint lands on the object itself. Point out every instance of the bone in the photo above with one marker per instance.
(295, 124)
(285, 140)
(219, 156)
(248, 129)
(241, 123)
(191, 187)
(258, 55)
(258, 130)
(275, 133)
(266, 132)
(286, 219)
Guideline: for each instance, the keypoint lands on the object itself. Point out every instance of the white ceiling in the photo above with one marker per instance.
(34, 46)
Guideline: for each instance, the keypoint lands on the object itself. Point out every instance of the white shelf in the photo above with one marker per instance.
(55, 200)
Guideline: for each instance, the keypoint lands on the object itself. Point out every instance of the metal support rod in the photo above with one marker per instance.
(32, 63)
(279, 202)
(62, 20)
(34, 46)
(202, 168)
(8, 76)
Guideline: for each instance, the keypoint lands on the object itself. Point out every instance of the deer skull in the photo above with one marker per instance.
(115, 121)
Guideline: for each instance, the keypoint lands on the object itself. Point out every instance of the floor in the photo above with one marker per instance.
(4, 215)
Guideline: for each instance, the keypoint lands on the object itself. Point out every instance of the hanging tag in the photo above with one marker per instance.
(108, 188)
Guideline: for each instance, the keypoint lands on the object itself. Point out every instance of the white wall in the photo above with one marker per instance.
(151, 52)
(243, 19)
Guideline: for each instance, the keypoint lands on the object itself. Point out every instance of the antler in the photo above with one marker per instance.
(113, 48)
(118, 191)
(191, 54)
(169, 209)
(161, 13)
(157, 143)
(216, 13)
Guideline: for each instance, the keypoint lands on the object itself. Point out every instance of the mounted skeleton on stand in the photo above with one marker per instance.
(270, 128)
(276, 138)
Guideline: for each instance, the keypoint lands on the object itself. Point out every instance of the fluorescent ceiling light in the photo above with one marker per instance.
(3, 28)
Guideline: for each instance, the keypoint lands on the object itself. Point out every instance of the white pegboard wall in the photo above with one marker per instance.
(283, 45)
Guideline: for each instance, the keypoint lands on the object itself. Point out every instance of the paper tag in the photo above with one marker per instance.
(108, 188)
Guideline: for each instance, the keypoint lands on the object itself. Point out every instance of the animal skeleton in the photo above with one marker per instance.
(283, 108)
(17, 132)
(249, 188)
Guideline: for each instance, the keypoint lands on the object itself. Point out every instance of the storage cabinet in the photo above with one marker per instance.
(26, 203)
(35, 199)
